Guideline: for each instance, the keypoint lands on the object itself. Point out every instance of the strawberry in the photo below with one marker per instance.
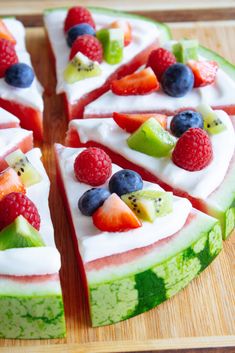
(141, 82)
(89, 46)
(193, 151)
(8, 56)
(159, 60)
(125, 25)
(131, 122)
(9, 182)
(77, 15)
(204, 72)
(5, 34)
(115, 216)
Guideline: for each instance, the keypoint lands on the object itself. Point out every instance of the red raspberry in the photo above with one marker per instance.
(193, 151)
(77, 15)
(93, 166)
(8, 55)
(16, 204)
(159, 60)
(89, 46)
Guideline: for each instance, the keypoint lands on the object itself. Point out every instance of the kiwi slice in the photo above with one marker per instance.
(24, 169)
(20, 234)
(185, 50)
(149, 204)
(80, 68)
(112, 40)
(212, 123)
(151, 139)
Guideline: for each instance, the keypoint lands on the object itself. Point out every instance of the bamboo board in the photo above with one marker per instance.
(202, 315)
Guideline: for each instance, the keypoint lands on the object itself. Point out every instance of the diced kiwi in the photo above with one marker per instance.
(24, 169)
(185, 50)
(20, 234)
(212, 123)
(80, 68)
(149, 204)
(151, 139)
(112, 40)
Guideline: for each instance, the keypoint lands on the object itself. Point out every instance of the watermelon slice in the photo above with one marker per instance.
(125, 284)
(8, 120)
(148, 34)
(218, 203)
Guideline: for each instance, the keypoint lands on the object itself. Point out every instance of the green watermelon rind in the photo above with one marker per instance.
(32, 316)
(123, 298)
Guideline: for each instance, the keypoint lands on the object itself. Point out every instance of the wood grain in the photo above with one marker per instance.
(200, 316)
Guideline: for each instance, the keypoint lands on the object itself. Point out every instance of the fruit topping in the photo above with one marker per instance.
(183, 121)
(24, 169)
(177, 80)
(93, 166)
(77, 15)
(212, 123)
(115, 216)
(131, 122)
(193, 151)
(89, 46)
(91, 200)
(141, 82)
(113, 42)
(16, 204)
(185, 50)
(204, 72)
(10, 182)
(80, 68)
(151, 139)
(19, 75)
(5, 34)
(8, 56)
(159, 60)
(20, 234)
(77, 31)
(125, 181)
(126, 27)
(149, 204)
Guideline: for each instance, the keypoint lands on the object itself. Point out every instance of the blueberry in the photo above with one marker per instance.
(183, 121)
(19, 75)
(78, 30)
(177, 80)
(125, 181)
(91, 200)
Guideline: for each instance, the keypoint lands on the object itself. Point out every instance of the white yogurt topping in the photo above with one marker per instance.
(9, 138)
(144, 33)
(6, 117)
(41, 260)
(199, 184)
(31, 96)
(95, 244)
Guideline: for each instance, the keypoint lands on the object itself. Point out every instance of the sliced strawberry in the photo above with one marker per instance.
(5, 33)
(131, 122)
(10, 182)
(204, 72)
(142, 82)
(115, 216)
(125, 25)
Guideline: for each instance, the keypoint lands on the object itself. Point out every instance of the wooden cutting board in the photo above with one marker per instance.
(202, 315)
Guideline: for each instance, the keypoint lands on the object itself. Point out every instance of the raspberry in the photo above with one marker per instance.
(93, 166)
(77, 15)
(8, 55)
(193, 151)
(159, 60)
(16, 204)
(89, 46)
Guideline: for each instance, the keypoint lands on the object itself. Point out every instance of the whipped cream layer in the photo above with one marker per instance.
(31, 96)
(7, 118)
(9, 138)
(199, 184)
(144, 33)
(36, 260)
(95, 244)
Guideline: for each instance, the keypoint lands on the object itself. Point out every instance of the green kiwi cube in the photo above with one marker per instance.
(151, 139)
(20, 234)
(186, 50)
(112, 41)
(212, 123)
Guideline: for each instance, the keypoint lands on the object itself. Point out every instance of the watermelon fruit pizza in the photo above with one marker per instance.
(8, 120)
